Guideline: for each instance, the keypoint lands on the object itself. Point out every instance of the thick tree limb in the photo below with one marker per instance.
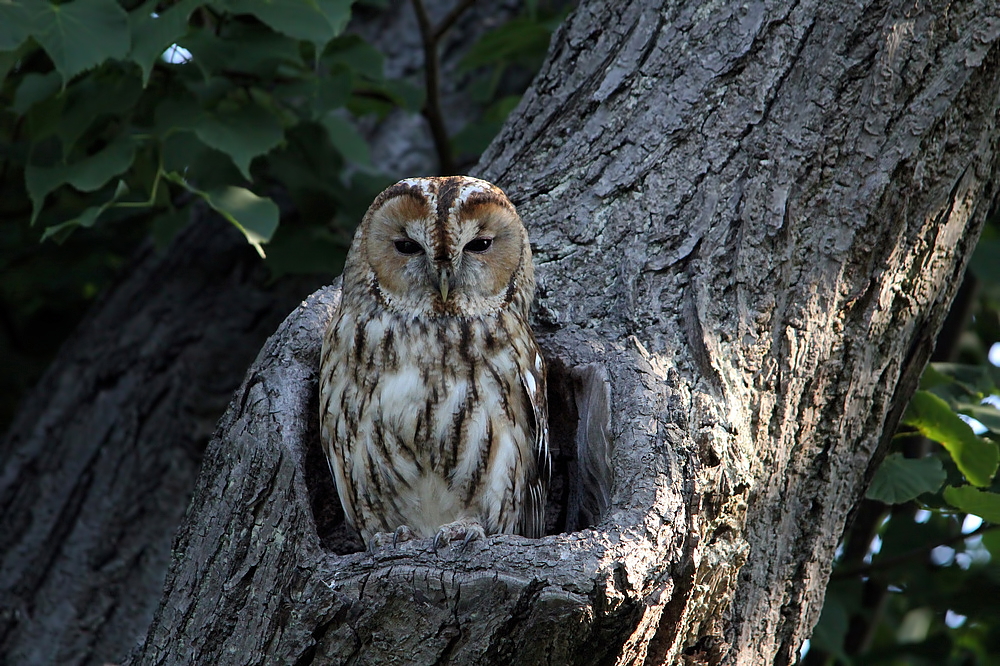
(754, 216)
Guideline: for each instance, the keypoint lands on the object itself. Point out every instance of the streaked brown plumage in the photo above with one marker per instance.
(432, 389)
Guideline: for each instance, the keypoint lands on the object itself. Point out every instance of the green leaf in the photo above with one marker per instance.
(831, 629)
(520, 40)
(248, 49)
(991, 540)
(208, 168)
(15, 26)
(81, 34)
(477, 135)
(900, 479)
(405, 94)
(975, 457)
(986, 414)
(316, 21)
(7, 61)
(346, 140)
(87, 175)
(474, 137)
(243, 134)
(177, 113)
(977, 380)
(92, 97)
(357, 54)
(933, 377)
(87, 219)
(981, 503)
(151, 36)
(257, 217)
(314, 96)
(33, 89)
(984, 260)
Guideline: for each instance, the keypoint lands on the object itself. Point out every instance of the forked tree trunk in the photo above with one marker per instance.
(753, 217)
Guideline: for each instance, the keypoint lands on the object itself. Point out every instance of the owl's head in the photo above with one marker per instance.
(442, 246)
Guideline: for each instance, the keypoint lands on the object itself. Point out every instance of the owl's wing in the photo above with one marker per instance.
(533, 511)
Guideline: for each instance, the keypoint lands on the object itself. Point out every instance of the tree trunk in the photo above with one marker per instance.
(102, 458)
(753, 219)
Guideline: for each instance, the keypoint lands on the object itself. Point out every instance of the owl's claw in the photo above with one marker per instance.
(401, 534)
(466, 529)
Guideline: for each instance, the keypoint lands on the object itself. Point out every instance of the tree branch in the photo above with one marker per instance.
(889, 562)
(431, 37)
(450, 19)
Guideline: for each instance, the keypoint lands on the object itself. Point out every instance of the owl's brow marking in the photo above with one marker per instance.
(410, 207)
(478, 202)
(403, 189)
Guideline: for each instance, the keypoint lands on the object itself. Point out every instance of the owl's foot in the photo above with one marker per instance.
(465, 529)
(400, 535)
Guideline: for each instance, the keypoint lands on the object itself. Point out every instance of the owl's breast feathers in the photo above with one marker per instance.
(428, 421)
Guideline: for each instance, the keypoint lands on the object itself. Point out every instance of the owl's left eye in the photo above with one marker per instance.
(478, 245)
(408, 247)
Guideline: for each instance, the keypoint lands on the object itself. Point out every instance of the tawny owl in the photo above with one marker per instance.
(432, 388)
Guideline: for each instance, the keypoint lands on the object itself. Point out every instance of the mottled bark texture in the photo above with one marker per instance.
(753, 216)
(101, 461)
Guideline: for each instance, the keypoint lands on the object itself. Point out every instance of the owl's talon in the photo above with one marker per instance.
(465, 529)
(401, 534)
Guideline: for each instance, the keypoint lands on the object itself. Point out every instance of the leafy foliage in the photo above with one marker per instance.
(117, 119)
(901, 479)
(976, 458)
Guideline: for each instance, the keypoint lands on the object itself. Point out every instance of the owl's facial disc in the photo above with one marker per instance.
(446, 251)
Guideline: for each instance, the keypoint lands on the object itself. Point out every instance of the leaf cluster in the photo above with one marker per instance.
(115, 114)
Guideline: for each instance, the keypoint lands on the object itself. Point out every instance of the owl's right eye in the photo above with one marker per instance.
(408, 247)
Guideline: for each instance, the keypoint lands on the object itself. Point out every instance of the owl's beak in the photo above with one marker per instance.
(444, 283)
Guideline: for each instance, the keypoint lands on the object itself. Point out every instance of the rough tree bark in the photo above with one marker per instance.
(754, 217)
(102, 458)
(98, 467)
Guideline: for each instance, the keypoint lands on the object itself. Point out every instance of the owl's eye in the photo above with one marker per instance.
(478, 245)
(408, 247)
